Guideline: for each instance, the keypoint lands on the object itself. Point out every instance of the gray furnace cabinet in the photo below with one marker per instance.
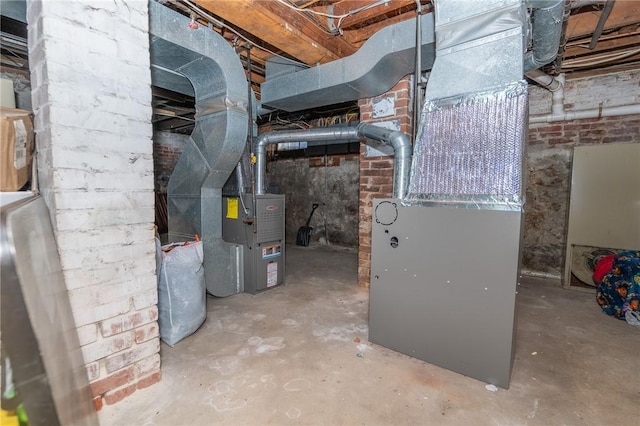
(443, 286)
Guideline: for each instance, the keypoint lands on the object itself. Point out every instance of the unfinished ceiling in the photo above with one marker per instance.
(599, 37)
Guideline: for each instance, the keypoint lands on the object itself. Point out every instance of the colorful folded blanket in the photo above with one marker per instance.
(618, 293)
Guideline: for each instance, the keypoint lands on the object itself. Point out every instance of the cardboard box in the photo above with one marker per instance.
(16, 148)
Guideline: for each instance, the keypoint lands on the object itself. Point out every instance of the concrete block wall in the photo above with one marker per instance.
(90, 74)
(376, 173)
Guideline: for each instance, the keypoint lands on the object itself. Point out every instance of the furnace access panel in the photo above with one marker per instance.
(443, 286)
(261, 238)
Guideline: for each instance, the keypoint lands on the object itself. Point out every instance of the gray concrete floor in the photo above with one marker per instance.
(299, 354)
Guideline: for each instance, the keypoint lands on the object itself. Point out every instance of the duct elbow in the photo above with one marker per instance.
(401, 144)
(548, 17)
(531, 62)
(398, 140)
(401, 151)
(261, 143)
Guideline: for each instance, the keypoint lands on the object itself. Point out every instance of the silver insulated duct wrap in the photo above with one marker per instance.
(465, 198)
(470, 143)
(479, 46)
(470, 149)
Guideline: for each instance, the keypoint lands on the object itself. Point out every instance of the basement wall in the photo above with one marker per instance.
(548, 161)
(92, 102)
(167, 148)
(550, 154)
(376, 172)
(333, 183)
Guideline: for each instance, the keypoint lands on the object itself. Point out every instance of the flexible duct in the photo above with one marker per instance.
(547, 30)
(398, 140)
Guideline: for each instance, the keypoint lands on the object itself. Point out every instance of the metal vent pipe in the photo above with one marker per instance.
(398, 140)
(547, 30)
(204, 61)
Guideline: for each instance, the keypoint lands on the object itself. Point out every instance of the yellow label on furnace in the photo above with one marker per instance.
(232, 208)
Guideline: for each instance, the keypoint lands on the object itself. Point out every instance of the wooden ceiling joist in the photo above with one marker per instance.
(289, 31)
(624, 13)
(379, 12)
(582, 49)
(307, 37)
(357, 37)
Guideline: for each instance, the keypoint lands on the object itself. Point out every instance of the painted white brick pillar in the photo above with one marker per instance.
(90, 74)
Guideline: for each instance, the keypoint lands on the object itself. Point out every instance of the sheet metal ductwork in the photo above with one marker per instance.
(204, 60)
(471, 137)
(375, 68)
(548, 16)
(325, 136)
(445, 258)
(477, 46)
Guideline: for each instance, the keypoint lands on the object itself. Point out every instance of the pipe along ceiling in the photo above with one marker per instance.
(202, 64)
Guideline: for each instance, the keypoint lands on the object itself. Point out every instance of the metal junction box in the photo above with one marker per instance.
(262, 240)
(443, 286)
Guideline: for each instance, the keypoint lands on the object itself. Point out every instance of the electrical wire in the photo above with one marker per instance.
(315, 12)
(219, 23)
(340, 18)
(600, 59)
(579, 43)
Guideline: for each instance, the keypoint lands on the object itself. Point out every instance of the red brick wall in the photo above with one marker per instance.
(167, 148)
(586, 132)
(548, 162)
(376, 173)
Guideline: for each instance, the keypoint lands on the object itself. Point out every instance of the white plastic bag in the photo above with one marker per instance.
(182, 303)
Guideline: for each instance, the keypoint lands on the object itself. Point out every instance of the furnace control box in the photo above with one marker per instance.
(261, 237)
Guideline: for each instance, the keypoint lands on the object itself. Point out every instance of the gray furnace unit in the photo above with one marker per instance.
(445, 258)
(261, 238)
(443, 284)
